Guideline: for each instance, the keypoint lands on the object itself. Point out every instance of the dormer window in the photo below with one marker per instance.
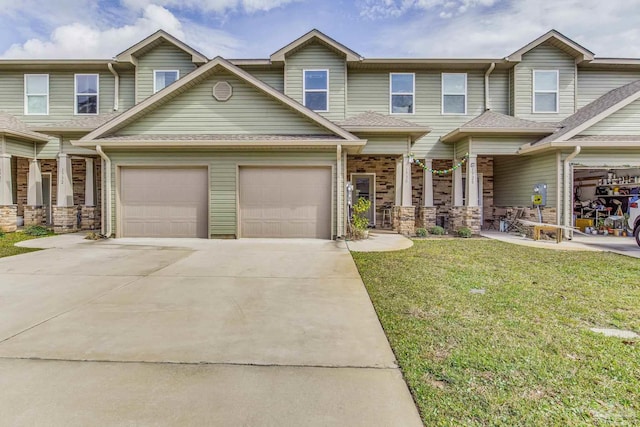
(402, 93)
(316, 90)
(163, 78)
(86, 94)
(545, 91)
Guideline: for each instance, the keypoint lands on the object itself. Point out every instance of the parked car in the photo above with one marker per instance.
(634, 218)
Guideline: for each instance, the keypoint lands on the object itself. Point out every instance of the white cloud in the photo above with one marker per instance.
(81, 39)
(380, 9)
(214, 6)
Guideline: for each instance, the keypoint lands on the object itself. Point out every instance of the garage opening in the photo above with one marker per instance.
(605, 200)
(285, 202)
(164, 202)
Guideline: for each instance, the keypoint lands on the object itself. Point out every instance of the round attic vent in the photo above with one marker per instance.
(222, 91)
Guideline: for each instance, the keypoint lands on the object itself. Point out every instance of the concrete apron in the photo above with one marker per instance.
(193, 332)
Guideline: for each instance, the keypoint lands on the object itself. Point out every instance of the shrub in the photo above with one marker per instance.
(36, 230)
(464, 232)
(1, 233)
(437, 230)
(359, 219)
(421, 232)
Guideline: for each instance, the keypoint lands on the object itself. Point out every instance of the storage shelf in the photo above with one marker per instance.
(619, 195)
(629, 184)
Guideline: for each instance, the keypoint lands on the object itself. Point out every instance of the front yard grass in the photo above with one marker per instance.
(522, 352)
(8, 240)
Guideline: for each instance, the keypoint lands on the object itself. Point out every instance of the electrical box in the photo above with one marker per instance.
(539, 196)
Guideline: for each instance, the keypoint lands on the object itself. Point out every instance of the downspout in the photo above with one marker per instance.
(116, 86)
(107, 205)
(487, 105)
(568, 191)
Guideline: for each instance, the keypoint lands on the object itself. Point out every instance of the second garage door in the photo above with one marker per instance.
(285, 202)
(164, 202)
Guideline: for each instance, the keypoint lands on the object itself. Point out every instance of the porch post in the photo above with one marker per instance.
(34, 189)
(89, 184)
(472, 180)
(65, 181)
(406, 181)
(457, 185)
(6, 187)
(427, 186)
(398, 183)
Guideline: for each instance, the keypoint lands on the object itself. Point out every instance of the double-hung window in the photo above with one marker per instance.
(402, 93)
(545, 91)
(454, 93)
(86, 94)
(36, 94)
(316, 90)
(163, 78)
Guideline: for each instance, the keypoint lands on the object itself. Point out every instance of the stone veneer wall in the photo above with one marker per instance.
(385, 169)
(404, 220)
(46, 166)
(426, 217)
(34, 215)
(465, 216)
(8, 218)
(65, 219)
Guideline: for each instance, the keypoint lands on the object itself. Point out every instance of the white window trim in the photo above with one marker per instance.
(75, 94)
(391, 93)
(305, 90)
(155, 90)
(453, 93)
(26, 96)
(557, 92)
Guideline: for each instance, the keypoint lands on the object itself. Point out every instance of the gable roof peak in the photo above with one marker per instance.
(315, 35)
(558, 40)
(155, 39)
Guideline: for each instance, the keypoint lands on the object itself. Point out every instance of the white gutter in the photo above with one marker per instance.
(106, 206)
(116, 88)
(487, 105)
(568, 191)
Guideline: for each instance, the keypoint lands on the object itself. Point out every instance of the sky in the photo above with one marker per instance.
(373, 28)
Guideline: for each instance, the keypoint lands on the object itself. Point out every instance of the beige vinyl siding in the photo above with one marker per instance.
(223, 167)
(461, 148)
(625, 121)
(247, 112)
(592, 84)
(499, 91)
(515, 176)
(512, 89)
(127, 95)
(369, 91)
(545, 57)
(69, 148)
(19, 148)
(390, 144)
(274, 78)
(612, 158)
(498, 145)
(48, 150)
(165, 56)
(318, 57)
(61, 95)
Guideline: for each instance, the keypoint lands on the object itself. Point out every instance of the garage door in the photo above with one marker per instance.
(164, 202)
(285, 202)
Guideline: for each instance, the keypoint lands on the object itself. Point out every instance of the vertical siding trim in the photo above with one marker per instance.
(559, 184)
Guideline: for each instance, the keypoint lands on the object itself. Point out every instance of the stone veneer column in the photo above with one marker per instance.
(6, 188)
(465, 216)
(404, 220)
(65, 219)
(8, 218)
(33, 215)
(88, 218)
(65, 181)
(34, 184)
(89, 183)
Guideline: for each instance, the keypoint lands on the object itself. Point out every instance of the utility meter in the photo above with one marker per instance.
(539, 196)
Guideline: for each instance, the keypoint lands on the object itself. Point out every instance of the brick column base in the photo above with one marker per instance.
(8, 218)
(426, 217)
(33, 215)
(89, 219)
(465, 216)
(404, 220)
(65, 219)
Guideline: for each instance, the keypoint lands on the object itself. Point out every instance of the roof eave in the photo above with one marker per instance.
(148, 143)
(28, 136)
(456, 134)
(554, 145)
(584, 53)
(129, 54)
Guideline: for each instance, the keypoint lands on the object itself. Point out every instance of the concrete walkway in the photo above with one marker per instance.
(193, 332)
(380, 242)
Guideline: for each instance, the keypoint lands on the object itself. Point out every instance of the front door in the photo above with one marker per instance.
(46, 197)
(364, 186)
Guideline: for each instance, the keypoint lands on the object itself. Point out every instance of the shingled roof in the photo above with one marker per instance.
(79, 124)
(13, 126)
(373, 119)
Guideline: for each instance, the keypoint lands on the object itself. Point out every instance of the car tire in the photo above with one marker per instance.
(636, 234)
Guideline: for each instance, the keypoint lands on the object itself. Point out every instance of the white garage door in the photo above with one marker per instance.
(164, 202)
(285, 202)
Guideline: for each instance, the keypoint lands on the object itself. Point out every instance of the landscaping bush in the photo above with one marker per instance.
(359, 220)
(1, 233)
(464, 232)
(36, 230)
(421, 232)
(437, 230)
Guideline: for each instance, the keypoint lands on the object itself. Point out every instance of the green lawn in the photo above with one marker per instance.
(522, 353)
(8, 240)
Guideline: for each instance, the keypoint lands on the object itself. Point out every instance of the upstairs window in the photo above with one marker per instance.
(545, 91)
(316, 90)
(86, 101)
(163, 78)
(402, 89)
(36, 94)
(454, 93)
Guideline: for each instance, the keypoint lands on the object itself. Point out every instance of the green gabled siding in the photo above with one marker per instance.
(68, 148)
(498, 145)
(389, 144)
(515, 176)
(592, 84)
(223, 168)
(545, 57)
(369, 91)
(127, 98)
(48, 150)
(625, 121)
(249, 111)
(61, 94)
(163, 57)
(499, 91)
(314, 57)
(274, 78)
(19, 148)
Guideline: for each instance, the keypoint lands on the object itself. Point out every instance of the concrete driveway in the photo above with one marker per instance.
(193, 332)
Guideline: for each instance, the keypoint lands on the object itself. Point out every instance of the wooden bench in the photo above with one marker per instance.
(537, 229)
